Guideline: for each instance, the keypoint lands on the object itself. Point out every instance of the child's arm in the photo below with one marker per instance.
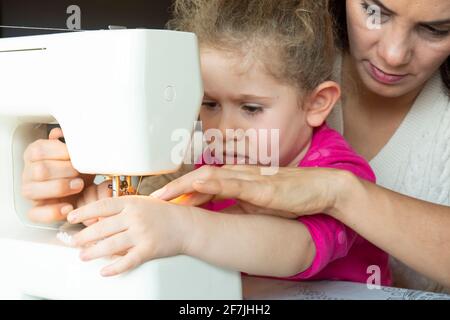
(148, 229)
(255, 244)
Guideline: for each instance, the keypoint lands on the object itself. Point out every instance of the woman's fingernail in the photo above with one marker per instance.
(199, 181)
(76, 184)
(159, 193)
(66, 209)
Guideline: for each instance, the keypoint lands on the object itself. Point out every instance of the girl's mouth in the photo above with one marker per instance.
(234, 158)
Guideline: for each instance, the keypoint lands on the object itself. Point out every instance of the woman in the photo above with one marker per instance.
(395, 112)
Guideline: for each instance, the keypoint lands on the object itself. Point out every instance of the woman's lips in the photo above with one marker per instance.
(383, 77)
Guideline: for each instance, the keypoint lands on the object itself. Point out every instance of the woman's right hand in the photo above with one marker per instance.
(50, 180)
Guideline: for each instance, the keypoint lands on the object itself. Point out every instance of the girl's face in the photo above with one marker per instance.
(398, 55)
(244, 96)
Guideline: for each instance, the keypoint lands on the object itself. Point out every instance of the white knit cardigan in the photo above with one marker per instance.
(416, 162)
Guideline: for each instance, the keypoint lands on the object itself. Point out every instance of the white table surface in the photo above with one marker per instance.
(268, 289)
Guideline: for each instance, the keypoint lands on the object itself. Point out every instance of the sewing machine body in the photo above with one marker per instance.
(118, 96)
(35, 264)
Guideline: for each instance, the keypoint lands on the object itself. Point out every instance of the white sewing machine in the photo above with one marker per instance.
(118, 96)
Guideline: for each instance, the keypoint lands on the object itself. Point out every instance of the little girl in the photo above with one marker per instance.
(266, 64)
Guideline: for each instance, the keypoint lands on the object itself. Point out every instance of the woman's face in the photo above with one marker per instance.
(400, 53)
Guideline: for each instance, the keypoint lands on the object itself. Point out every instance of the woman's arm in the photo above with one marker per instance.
(254, 244)
(414, 231)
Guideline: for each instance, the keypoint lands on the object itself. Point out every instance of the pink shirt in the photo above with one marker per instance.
(341, 254)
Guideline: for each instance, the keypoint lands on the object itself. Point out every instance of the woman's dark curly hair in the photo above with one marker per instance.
(338, 10)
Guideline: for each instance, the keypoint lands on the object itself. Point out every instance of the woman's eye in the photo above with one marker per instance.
(252, 109)
(435, 32)
(372, 9)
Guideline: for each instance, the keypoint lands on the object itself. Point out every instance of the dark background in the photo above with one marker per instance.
(95, 14)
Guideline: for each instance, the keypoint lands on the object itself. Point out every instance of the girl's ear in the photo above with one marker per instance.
(320, 102)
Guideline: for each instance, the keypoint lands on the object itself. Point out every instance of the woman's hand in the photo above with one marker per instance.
(50, 180)
(289, 193)
(143, 227)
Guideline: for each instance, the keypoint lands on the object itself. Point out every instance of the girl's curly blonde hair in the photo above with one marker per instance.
(293, 38)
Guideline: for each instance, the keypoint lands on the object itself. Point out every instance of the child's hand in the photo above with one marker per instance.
(143, 227)
(94, 193)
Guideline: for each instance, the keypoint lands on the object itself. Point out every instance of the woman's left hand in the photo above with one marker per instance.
(143, 227)
(289, 193)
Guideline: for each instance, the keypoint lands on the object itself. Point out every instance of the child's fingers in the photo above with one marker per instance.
(89, 222)
(131, 260)
(115, 244)
(102, 229)
(102, 208)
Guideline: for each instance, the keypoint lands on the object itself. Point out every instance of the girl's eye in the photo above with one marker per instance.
(435, 32)
(252, 109)
(209, 105)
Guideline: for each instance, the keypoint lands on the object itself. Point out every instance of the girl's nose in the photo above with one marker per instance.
(395, 47)
(227, 122)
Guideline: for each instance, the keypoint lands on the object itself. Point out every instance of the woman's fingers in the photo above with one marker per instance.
(254, 170)
(110, 246)
(192, 199)
(131, 260)
(50, 180)
(55, 133)
(48, 170)
(98, 231)
(183, 184)
(250, 191)
(104, 190)
(50, 213)
(46, 150)
(52, 189)
(94, 193)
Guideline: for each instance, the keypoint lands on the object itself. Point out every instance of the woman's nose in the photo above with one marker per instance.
(395, 47)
